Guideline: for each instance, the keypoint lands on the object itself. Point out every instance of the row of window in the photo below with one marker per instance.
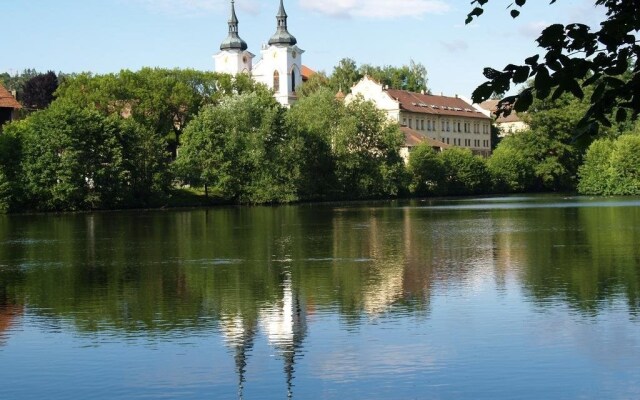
(446, 126)
(467, 142)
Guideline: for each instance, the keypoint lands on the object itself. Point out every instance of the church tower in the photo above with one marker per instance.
(233, 57)
(281, 64)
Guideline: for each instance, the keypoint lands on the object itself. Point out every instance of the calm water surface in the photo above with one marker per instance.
(503, 298)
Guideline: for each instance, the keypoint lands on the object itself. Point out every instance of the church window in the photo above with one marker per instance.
(293, 80)
(276, 81)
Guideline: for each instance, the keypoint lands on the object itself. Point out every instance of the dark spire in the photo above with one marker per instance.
(233, 41)
(282, 35)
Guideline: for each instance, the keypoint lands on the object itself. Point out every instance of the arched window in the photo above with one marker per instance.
(276, 81)
(293, 80)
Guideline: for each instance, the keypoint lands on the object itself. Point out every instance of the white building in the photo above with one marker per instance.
(448, 120)
(508, 125)
(280, 67)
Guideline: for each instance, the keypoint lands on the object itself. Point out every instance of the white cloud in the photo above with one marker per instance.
(454, 46)
(381, 9)
(533, 29)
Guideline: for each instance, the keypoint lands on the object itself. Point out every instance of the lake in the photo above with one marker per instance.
(532, 297)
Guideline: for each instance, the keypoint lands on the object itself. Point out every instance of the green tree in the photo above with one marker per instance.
(11, 168)
(75, 159)
(345, 75)
(466, 173)
(240, 151)
(314, 120)
(366, 147)
(160, 99)
(412, 77)
(576, 57)
(612, 167)
(427, 171)
(595, 173)
(315, 82)
(512, 168)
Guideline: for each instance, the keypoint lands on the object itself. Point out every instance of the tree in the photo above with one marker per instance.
(366, 147)
(240, 151)
(466, 173)
(512, 168)
(315, 82)
(315, 120)
(612, 167)
(160, 99)
(38, 91)
(576, 58)
(412, 77)
(76, 158)
(427, 172)
(345, 75)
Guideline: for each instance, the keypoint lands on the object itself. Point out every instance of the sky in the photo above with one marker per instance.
(103, 36)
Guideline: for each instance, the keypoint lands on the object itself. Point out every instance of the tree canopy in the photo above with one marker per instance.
(38, 91)
(576, 57)
(346, 73)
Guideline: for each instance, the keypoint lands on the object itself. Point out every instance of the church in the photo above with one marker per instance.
(280, 67)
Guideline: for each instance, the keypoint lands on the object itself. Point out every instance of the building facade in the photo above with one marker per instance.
(449, 120)
(512, 123)
(280, 67)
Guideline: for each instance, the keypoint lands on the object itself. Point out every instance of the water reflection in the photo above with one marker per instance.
(260, 275)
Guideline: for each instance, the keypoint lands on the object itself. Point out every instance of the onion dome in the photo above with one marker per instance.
(282, 35)
(233, 41)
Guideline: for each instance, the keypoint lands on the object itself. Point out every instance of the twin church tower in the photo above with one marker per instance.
(281, 64)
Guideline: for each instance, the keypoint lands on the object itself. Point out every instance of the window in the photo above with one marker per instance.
(404, 121)
(276, 81)
(459, 130)
(293, 80)
(422, 124)
(443, 126)
(410, 123)
(448, 126)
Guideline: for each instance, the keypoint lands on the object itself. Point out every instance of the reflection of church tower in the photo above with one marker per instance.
(281, 64)
(233, 57)
(285, 325)
(239, 335)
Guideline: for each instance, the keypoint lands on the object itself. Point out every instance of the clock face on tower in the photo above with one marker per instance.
(294, 54)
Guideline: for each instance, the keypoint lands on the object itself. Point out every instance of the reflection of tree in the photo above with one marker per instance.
(587, 256)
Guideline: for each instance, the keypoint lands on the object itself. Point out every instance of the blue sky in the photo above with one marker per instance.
(109, 35)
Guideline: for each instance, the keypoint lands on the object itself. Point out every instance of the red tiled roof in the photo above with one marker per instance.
(306, 72)
(434, 105)
(413, 138)
(7, 100)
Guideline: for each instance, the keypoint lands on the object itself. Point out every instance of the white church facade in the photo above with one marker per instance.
(280, 67)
